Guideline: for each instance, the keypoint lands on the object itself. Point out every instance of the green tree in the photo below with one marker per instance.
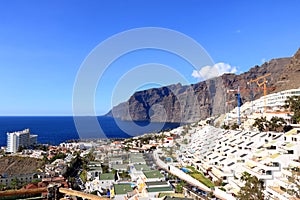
(35, 181)
(60, 155)
(210, 195)
(235, 126)
(83, 176)
(260, 123)
(14, 183)
(253, 188)
(72, 182)
(275, 124)
(89, 157)
(224, 126)
(179, 186)
(105, 168)
(127, 148)
(21, 148)
(295, 179)
(124, 176)
(293, 104)
(2, 187)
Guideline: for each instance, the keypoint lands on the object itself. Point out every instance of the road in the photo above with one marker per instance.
(187, 178)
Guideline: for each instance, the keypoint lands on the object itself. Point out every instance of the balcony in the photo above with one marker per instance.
(277, 192)
(295, 163)
(258, 172)
(284, 182)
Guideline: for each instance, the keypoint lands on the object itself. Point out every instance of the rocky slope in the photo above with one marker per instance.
(12, 165)
(177, 103)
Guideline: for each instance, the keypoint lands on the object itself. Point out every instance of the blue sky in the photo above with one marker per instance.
(43, 43)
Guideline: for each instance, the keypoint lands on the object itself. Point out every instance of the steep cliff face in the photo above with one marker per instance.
(177, 103)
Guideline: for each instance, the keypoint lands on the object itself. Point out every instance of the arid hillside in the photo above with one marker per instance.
(19, 165)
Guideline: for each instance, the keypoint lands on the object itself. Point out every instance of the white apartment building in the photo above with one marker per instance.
(20, 138)
(225, 154)
(255, 109)
(274, 102)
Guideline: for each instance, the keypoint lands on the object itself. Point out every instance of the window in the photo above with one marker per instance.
(269, 172)
(282, 188)
(290, 151)
(243, 155)
(272, 147)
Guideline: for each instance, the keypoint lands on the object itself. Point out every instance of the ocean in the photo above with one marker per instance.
(54, 130)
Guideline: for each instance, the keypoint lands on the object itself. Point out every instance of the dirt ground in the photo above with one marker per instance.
(19, 165)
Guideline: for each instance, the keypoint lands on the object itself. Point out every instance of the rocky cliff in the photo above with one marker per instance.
(178, 103)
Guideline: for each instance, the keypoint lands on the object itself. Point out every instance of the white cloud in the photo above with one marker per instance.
(217, 69)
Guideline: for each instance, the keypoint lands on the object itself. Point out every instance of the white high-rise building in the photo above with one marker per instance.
(20, 138)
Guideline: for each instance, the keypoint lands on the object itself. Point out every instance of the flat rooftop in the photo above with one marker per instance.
(115, 158)
(122, 188)
(107, 176)
(95, 169)
(153, 174)
(155, 183)
(120, 166)
(141, 167)
(137, 160)
(160, 189)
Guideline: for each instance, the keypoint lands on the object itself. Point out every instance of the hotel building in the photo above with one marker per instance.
(20, 139)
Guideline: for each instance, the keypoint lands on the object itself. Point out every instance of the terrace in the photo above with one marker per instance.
(258, 172)
(200, 177)
(279, 192)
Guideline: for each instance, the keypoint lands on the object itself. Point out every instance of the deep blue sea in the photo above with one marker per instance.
(54, 130)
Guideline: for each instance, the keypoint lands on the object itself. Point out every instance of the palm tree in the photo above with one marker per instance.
(276, 124)
(293, 104)
(295, 179)
(235, 126)
(253, 188)
(261, 124)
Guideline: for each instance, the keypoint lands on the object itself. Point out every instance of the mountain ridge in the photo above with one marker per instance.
(190, 103)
